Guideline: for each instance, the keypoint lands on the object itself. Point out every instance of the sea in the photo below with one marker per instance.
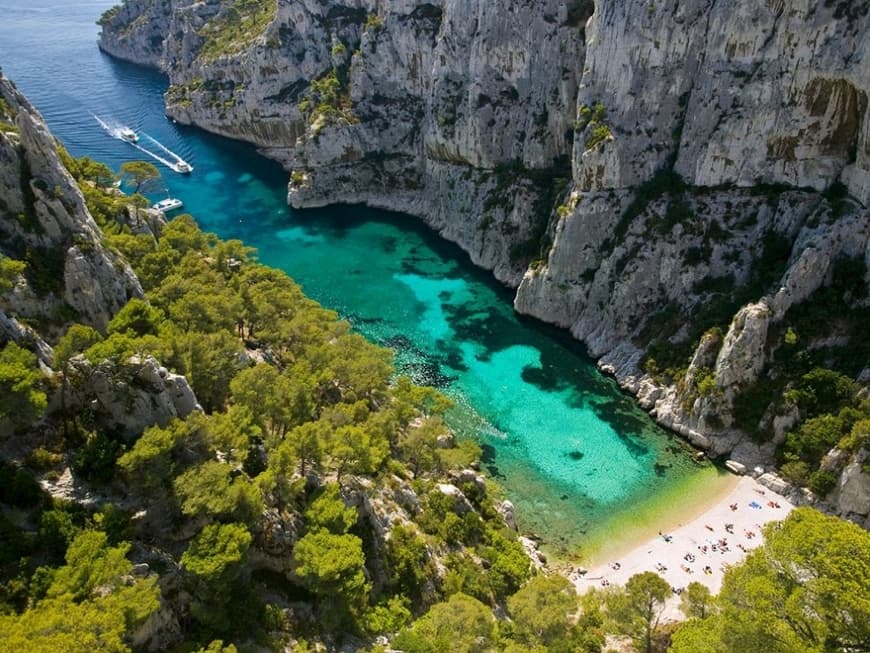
(583, 465)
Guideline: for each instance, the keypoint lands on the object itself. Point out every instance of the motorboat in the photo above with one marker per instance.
(127, 134)
(183, 167)
(167, 205)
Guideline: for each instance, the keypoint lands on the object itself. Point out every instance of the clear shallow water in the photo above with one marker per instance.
(574, 455)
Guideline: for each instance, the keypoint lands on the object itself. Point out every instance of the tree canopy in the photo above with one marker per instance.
(90, 603)
(636, 609)
(139, 173)
(806, 589)
(22, 397)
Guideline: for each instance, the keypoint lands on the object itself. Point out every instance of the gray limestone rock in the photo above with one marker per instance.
(742, 356)
(853, 490)
(91, 281)
(130, 397)
(508, 513)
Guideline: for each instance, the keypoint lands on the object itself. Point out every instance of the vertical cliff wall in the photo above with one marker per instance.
(70, 275)
(447, 110)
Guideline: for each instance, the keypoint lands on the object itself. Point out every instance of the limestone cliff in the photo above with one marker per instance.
(70, 276)
(643, 172)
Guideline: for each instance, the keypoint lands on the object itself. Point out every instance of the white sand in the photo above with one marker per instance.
(705, 530)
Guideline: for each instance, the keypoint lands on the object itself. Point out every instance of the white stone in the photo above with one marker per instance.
(734, 466)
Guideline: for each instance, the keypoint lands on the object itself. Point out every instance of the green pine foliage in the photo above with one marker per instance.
(22, 387)
(805, 590)
(90, 604)
(235, 27)
(320, 419)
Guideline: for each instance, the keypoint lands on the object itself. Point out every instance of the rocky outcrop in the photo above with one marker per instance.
(129, 397)
(852, 494)
(134, 31)
(640, 171)
(26, 337)
(70, 275)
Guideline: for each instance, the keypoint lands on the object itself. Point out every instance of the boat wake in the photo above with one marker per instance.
(127, 135)
(179, 165)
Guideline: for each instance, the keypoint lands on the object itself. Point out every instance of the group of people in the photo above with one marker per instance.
(721, 538)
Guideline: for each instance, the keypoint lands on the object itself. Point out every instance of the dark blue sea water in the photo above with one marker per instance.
(576, 457)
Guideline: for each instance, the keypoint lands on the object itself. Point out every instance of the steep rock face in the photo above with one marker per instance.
(44, 222)
(132, 19)
(851, 497)
(739, 93)
(686, 145)
(128, 398)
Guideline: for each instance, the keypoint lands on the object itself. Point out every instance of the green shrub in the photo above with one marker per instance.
(795, 471)
(42, 459)
(96, 460)
(859, 436)
(18, 488)
(821, 391)
(373, 22)
(235, 28)
(108, 15)
(814, 438)
(600, 133)
(821, 483)
(408, 561)
(707, 383)
(56, 531)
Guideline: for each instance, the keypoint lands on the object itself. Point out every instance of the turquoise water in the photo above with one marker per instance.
(570, 451)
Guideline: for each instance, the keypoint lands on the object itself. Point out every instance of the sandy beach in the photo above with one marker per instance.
(699, 550)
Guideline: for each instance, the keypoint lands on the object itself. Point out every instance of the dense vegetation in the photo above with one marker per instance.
(813, 355)
(236, 26)
(304, 431)
(804, 591)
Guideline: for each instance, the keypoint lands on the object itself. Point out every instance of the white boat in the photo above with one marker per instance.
(169, 204)
(183, 167)
(127, 134)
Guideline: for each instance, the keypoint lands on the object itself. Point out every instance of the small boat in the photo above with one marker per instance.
(183, 167)
(169, 204)
(127, 134)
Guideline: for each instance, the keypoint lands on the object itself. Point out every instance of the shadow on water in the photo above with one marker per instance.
(453, 359)
(488, 326)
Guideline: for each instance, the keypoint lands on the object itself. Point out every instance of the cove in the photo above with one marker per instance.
(580, 461)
